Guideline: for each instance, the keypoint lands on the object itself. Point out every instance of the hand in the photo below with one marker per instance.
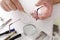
(45, 11)
(9, 5)
(56, 1)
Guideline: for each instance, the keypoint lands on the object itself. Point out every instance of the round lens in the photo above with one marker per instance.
(29, 29)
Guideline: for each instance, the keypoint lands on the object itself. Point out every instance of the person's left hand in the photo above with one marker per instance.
(45, 11)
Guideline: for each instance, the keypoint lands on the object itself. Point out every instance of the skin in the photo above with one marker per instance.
(56, 1)
(46, 10)
(9, 5)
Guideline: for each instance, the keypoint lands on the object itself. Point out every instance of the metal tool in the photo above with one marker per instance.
(55, 29)
(1, 19)
(15, 37)
(7, 32)
(41, 36)
(10, 35)
(13, 23)
(55, 32)
(4, 24)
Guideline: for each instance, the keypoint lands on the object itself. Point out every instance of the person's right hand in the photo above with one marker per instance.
(9, 5)
(45, 8)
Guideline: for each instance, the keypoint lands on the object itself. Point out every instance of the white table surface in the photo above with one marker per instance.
(13, 15)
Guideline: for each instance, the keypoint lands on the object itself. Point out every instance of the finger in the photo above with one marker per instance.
(42, 2)
(34, 14)
(5, 7)
(39, 3)
(11, 5)
(44, 16)
(18, 5)
(47, 12)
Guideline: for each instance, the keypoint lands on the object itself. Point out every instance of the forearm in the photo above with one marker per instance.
(56, 1)
(0, 1)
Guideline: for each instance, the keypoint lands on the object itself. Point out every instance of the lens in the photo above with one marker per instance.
(29, 29)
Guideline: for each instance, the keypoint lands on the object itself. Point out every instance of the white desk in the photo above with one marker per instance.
(7, 16)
